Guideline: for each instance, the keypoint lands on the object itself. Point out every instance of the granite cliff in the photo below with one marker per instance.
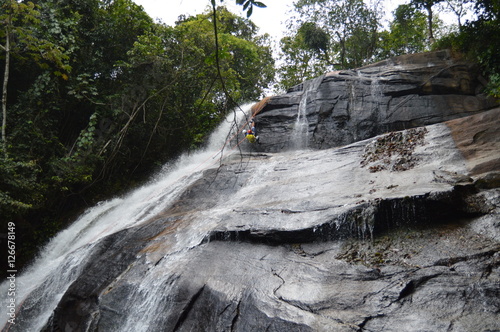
(343, 107)
(385, 218)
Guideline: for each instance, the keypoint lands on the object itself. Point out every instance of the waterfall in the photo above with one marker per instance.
(376, 93)
(375, 88)
(300, 134)
(42, 284)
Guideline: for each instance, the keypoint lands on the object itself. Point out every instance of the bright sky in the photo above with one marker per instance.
(270, 20)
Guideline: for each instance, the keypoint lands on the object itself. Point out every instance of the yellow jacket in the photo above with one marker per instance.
(251, 138)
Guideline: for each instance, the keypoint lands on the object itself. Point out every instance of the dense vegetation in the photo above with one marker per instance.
(97, 96)
(326, 35)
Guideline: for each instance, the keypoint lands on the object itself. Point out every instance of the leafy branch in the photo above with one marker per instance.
(248, 5)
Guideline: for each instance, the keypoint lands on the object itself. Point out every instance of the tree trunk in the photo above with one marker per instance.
(5, 82)
(342, 50)
(429, 22)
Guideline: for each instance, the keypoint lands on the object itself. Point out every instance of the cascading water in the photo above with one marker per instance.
(376, 94)
(41, 286)
(300, 135)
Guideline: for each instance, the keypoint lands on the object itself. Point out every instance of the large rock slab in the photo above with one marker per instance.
(347, 106)
(395, 233)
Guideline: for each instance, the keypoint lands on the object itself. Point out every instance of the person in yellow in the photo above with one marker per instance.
(250, 135)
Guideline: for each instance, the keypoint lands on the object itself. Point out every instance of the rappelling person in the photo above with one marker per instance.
(250, 134)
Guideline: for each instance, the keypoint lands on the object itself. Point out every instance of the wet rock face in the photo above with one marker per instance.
(347, 106)
(312, 241)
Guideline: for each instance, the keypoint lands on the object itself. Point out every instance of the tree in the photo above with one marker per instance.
(61, 72)
(406, 33)
(487, 10)
(479, 41)
(304, 55)
(20, 21)
(427, 6)
(459, 8)
(327, 35)
(349, 25)
(314, 38)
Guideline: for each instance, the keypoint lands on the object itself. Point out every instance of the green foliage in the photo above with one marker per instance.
(299, 62)
(427, 6)
(479, 41)
(248, 5)
(487, 10)
(30, 43)
(406, 35)
(183, 100)
(313, 37)
(493, 88)
(326, 35)
(19, 189)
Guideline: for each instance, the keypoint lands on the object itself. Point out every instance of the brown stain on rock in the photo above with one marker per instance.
(478, 139)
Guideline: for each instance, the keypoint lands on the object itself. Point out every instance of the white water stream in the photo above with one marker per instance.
(300, 134)
(59, 263)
